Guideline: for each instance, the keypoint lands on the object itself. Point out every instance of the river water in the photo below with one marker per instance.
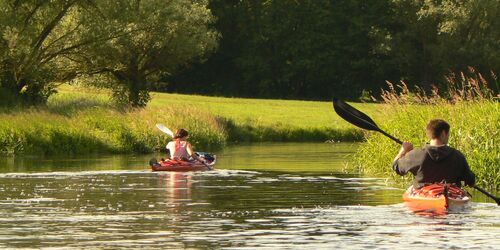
(270, 196)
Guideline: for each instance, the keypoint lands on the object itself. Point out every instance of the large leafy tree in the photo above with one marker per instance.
(149, 38)
(34, 35)
(293, 49)
(431, 38)
(313, 49)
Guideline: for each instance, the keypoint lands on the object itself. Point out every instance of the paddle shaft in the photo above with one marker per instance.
(497, 200)
(390, 136)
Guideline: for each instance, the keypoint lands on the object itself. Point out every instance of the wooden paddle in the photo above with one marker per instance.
(167, 131)
(361, 120)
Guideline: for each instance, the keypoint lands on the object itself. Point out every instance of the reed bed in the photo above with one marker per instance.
(471, 108)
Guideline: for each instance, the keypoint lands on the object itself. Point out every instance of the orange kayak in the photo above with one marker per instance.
(436, 199)
(182, 166)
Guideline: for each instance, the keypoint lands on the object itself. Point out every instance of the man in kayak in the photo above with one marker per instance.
(180, 148)
(436, 162)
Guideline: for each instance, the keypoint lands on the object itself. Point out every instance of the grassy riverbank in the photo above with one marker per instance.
(96, 129)
(81, 121)
(475, 130)
(268, 120)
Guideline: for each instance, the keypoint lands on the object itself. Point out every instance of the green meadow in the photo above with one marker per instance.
(268, 120)
(83, 120)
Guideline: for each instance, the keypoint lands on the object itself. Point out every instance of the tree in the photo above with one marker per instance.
(432, 38)
(35, 34)
(313, 49)
(149, 38)
(292, 49)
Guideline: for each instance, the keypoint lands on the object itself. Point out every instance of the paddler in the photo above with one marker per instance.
(180, 148)
(436, 162)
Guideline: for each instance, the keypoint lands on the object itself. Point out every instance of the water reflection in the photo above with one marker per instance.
(177, 187)
(248, 207)
(223, 208)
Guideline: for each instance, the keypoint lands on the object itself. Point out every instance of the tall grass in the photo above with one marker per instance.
(82, 125)
(80, 121)
(469, 106)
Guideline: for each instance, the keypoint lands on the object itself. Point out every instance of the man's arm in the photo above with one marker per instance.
(468, 177)
(402, 165)
(405, 148)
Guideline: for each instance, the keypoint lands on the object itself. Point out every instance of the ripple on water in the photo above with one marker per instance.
(225, 209)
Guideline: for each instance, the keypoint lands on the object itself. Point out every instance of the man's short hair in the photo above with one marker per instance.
(435, 127)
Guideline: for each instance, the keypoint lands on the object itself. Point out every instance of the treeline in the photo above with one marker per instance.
(125, 45)
(315, 49)
(306, 49)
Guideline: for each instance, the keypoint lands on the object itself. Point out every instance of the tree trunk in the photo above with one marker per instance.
(136, 85)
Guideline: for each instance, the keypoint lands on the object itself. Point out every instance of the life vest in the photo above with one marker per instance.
(180, 152)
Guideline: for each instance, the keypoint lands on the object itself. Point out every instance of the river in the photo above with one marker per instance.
(271, 196)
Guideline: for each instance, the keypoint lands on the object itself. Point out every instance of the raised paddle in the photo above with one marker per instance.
(359, 119)
(167, 131)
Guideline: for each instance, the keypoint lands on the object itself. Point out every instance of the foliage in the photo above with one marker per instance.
(432, 38)
(147, 39)
(473, 115)
(130, 43)
(316, 49)
(306, 49)
(34, 35)
(300, 49)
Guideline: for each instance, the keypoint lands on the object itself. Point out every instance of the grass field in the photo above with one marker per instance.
(248, 119)
(303, 114)
(270, 120)
(83, 120)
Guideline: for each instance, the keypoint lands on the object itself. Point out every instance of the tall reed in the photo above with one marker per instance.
(470, 107)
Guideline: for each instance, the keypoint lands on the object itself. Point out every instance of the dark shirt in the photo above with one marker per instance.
(433, 164)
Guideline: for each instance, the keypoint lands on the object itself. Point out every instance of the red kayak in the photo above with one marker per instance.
(182, 166)
(436, 199)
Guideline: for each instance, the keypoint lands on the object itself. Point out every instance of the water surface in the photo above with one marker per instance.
(262, 196)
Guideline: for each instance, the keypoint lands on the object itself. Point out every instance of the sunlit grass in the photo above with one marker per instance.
(271, 120)
(83, 120)
(472, 111)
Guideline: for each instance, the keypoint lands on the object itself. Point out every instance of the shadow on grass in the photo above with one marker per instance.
(248, 133)
(69, 106)
(65, 107)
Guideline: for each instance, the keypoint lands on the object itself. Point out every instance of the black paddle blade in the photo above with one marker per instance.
(354, 116)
